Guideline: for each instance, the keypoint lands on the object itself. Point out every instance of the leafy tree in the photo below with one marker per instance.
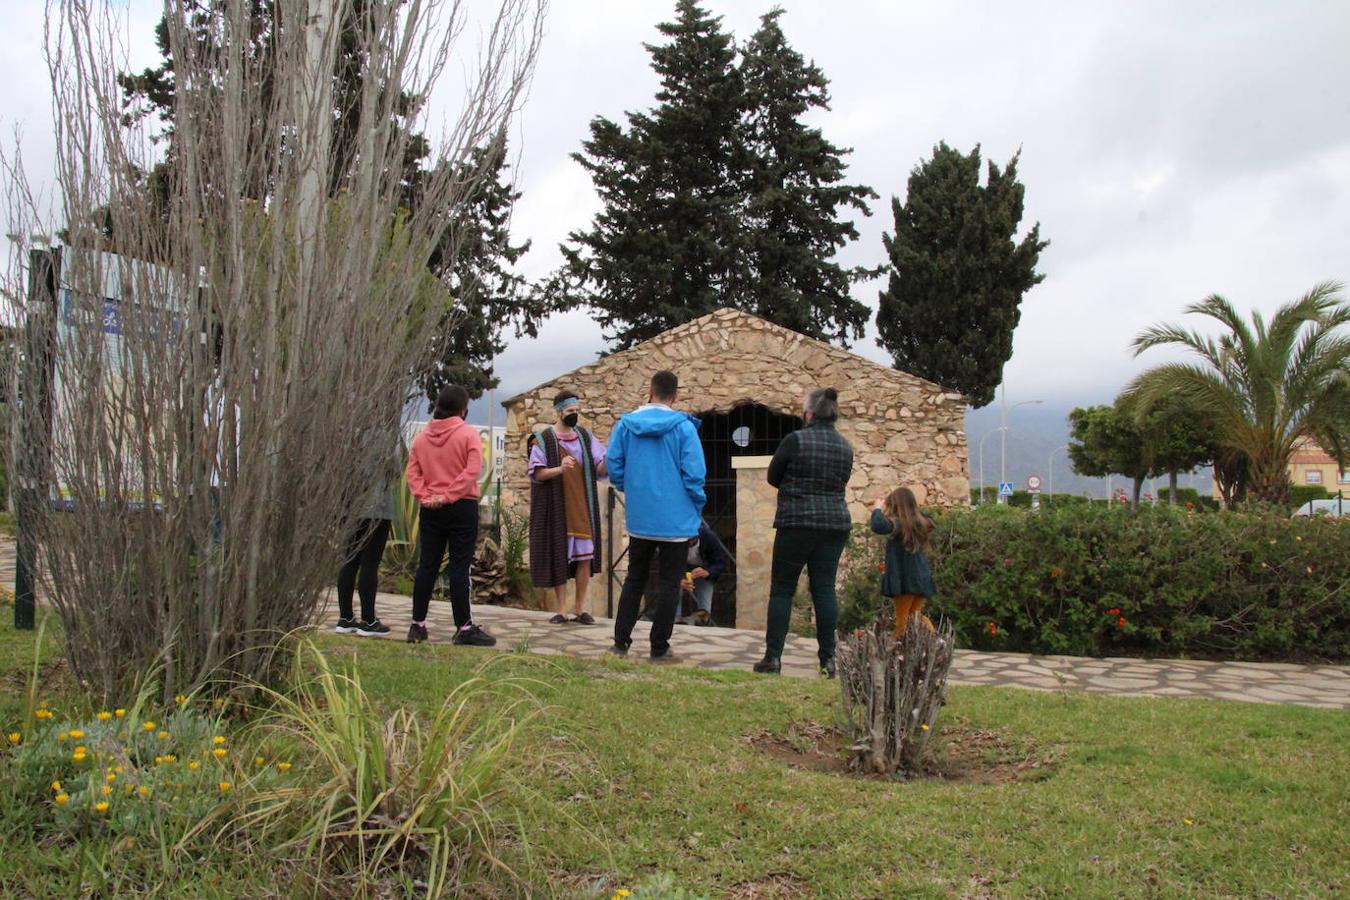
(718, 196)
(1107, 440)
(957, 276)
(795, 191)
(1178, 437)
(487, 291)
(1268, 386)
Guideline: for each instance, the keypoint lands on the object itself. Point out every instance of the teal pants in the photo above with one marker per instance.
(819, 552)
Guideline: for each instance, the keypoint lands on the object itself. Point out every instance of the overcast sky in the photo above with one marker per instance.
(1169, 150)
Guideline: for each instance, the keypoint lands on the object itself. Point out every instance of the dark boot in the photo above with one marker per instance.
(827, 667)
(769, 665)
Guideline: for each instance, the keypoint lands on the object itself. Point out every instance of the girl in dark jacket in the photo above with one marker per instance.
(907, 580)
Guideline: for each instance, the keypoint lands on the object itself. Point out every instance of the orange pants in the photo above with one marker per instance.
(907, 605)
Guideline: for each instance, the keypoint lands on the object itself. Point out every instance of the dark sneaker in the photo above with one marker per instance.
(374, 628)
(345, 626)
(665, 656)
(417, 634)
(583, 619)
(618, 650)
(472, 635)
(558, 619)
(769, 665)
(827, 668)
(701, 617)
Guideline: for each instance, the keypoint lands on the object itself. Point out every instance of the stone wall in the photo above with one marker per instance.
(756, 502)
(904, 430)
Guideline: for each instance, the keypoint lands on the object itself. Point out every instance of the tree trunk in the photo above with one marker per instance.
(1172, 488)
(1134, 498)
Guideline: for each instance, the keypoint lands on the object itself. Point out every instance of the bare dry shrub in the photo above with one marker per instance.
(893, 691)
(214, 438)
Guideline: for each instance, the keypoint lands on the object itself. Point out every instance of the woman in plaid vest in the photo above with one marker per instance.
(810, 469)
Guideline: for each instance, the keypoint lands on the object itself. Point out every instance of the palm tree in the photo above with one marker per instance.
(1268, 387)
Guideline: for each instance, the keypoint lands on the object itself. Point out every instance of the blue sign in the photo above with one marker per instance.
(1005, 488)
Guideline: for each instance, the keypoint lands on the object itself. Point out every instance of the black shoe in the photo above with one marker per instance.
(583, 619)
(665, 656)
(558, 619)
(827, 668)
(619, 650)
(769, 665)
(345, 626)
(472, 635)
(373, 628)
(417, 634)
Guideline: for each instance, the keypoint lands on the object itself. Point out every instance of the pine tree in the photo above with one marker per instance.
(718, 196)
(662, 251)
(957, 276)
(488, 294)
(792, 226)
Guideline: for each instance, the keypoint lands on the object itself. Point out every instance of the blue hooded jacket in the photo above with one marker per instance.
(656, 459)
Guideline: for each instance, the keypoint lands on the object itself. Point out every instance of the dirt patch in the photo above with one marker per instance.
(959, 754)
(779, 886)
(53, 677)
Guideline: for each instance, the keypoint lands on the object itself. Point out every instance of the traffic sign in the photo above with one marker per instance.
(1005, 488)
(1034, 483)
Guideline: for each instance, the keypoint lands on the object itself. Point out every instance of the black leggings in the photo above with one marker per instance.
(365, 549)
(453, 528)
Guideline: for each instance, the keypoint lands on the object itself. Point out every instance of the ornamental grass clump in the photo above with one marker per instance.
(893, 691)
(389, 794)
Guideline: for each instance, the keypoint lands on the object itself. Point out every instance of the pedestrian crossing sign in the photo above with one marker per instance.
(1005, 489)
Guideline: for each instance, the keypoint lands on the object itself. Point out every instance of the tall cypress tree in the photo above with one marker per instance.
(794, 181)
(957, 276)
(719, 195)
(662, 251)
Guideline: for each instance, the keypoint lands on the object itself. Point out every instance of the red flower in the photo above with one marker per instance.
(1056, 572)
(992, 628)
(1113, 611)
(881, 567)
(1120, 623)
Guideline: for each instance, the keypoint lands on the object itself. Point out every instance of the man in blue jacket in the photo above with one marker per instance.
(656, 460)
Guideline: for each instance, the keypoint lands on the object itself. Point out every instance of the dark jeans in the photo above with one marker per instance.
(819, 552)
(453, 527)
(361, 571)
(670, 566)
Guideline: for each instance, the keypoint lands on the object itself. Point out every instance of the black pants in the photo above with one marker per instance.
(453, 527)
(672, 556)
(365, 549)
(819, 552)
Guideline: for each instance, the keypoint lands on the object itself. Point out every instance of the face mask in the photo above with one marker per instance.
(570, 420)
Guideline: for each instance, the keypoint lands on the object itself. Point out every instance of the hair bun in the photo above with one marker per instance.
(831, 394)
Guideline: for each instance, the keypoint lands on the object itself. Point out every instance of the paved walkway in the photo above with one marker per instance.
(727, 648)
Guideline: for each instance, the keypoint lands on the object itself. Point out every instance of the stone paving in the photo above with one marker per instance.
(728, 648)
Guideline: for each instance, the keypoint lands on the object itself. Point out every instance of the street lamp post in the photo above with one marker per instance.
(1003, 463)
(1050, 468)
(982, 440)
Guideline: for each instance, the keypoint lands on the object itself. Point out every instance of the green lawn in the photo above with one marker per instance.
(651, 770)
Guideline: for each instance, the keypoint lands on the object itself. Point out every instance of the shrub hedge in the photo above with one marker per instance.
(1102, 581)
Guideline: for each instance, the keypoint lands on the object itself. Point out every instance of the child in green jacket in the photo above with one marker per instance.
(907, 579)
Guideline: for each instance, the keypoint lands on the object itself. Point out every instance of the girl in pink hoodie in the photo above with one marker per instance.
(443, 468)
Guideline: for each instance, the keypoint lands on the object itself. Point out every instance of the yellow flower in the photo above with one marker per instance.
(194, 765)
(143, 791)
(105, 791)
(220, 701)
(259, 761)
(101, 806)
(56, 785)
(620, 893)
(284, 766)
(15, 737)
(923, 727)
(170, 758)
(1188, 821)
(111, 778)
(119, 713)
(163, 735)
(62, 799)
(43, 714)
(224, 786)
(104, 716)
(149, 726)
(217, 740)
(180, 699)
(62, 736)
(219, 752)
(117, 769)
(159, 760)
(76, 734)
